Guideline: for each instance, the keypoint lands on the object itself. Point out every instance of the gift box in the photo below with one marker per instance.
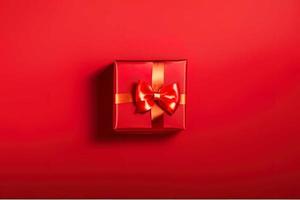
(149, 96)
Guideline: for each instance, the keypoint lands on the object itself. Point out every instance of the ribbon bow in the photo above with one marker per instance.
(166, 97)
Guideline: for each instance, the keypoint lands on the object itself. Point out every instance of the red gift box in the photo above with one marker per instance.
(149, 95)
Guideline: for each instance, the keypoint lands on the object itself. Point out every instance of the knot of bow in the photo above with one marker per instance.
(166, 97)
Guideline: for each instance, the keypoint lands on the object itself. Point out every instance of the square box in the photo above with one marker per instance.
(149, 96)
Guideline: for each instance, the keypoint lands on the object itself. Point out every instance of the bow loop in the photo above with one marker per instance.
(167, 97)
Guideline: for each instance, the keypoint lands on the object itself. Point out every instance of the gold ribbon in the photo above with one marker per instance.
(121, 98)
(158, 73)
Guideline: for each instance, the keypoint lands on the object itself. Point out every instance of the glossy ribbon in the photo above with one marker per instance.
(166, 97)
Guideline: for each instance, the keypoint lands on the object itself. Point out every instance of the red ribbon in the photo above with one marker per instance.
(166, 97)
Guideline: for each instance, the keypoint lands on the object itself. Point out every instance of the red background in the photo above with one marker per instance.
(243, 132)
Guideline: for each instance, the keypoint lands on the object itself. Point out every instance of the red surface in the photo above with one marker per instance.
(126, 115)
(243, 131)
